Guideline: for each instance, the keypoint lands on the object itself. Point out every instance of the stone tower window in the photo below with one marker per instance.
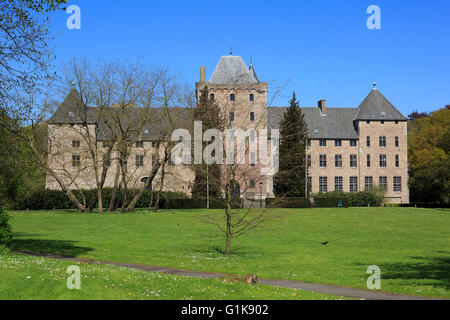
(252, 97)
(232, 97)
(252, 116)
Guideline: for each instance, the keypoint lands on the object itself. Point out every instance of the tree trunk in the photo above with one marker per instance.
(100, 200)
(228, 230)
(112, 202)
(163, 172)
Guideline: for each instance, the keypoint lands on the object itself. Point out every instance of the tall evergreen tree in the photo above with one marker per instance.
(209, 114)
(290, 179)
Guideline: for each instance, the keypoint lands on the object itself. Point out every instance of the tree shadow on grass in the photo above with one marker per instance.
(22, 243)
(432, 271)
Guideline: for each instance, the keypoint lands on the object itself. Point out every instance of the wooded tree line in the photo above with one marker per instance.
(429, 157)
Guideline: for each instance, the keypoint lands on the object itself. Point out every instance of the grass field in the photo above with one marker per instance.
(33, 278)
(411, 246)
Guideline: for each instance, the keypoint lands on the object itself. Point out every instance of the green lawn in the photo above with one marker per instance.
(32, 278)
(411, 246)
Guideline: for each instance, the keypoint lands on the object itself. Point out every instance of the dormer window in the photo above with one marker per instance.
(71, 114)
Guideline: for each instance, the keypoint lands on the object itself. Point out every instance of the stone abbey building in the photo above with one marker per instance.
(349, 149)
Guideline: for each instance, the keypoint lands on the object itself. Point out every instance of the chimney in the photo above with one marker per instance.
(323, 107)
(202, 74)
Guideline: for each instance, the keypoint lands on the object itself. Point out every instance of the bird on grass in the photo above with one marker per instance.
(324, 243)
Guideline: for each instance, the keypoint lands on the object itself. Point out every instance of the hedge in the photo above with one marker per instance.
(373, 198)
(305, 203)
(287, 202)
(57, 199)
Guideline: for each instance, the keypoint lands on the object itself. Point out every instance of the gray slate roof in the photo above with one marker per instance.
(72, 111)
(376, 107)
(337, 124)
(233, 70)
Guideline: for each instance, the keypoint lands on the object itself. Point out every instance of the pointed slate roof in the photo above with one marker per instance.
(71, 110)
(233, 70)
(376, 107)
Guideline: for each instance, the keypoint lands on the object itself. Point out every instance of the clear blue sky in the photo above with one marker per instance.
(324, 47)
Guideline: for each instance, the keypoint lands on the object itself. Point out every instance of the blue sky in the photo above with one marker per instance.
(323, 47)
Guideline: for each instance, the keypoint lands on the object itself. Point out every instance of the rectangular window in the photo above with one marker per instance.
(338, 143)
(338, 184)
(108, 160)
(75, 144)
(383, 162)
(252, 116)
(139, 144)
(353, 184)
(323, 184)
(232, 97)
(323, 143)
(76, 160)
(308, 142)
(323, 161)
(252, 97)
(368, 183)
(211, 96)
(252, 183)
(231, 117)
(308, 160)
(383, 183)
(368, 141)
(353, 161)
(107, 144)
(368, 161)
(396, 142)
(139, 160)
(153, 144)
(382, 141)
(397, 184)
(338, 161)
(397, 161)
(153, 159)
(353, 143)
(252, 159)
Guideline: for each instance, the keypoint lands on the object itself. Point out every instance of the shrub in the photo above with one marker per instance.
(5, 231)
(287, 202)
(373, 198)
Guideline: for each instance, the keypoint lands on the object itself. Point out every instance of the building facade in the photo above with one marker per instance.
(349, 149)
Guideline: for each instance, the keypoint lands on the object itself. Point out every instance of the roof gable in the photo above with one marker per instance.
(233, 70)
(376, 107)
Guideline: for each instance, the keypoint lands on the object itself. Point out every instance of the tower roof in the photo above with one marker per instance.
(233, 70)
(376, 107)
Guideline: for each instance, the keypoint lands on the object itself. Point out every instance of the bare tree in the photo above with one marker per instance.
(241, 175)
